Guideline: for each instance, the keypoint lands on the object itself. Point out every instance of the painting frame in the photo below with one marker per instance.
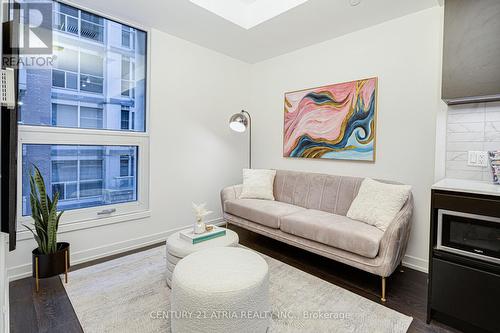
(331, 154)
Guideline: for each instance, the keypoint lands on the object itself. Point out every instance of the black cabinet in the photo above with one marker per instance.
(464, 288)
(469, 294)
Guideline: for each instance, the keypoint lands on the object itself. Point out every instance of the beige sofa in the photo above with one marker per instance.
(309, 212)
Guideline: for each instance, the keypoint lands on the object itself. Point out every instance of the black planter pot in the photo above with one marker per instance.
(51, 264)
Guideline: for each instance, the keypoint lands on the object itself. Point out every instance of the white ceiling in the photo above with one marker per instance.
(309, 23)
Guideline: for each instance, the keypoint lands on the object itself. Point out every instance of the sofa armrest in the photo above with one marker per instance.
(230, 193)
(395, 240)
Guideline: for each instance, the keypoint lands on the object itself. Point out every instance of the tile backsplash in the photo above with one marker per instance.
(471, 127)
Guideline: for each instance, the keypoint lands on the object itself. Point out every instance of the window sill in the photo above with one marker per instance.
(23, 234)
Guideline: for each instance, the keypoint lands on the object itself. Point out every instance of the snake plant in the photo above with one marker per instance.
(44, 214)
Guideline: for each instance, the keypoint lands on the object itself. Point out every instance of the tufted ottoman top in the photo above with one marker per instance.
(221, 270)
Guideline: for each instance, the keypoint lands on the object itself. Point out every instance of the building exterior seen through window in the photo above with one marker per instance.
(84, 176)
(97, 82)
(99, 70)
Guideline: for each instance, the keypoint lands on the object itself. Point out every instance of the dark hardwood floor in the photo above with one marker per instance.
(50, 310)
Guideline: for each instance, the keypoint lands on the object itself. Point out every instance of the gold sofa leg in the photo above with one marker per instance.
(383, 299)
(401, 268)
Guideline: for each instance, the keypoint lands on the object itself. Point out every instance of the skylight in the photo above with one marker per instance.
(248, 13)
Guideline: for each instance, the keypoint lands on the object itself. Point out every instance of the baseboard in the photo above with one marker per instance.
(218, 222)
(6, 310)
(24, 270)
(418, 264)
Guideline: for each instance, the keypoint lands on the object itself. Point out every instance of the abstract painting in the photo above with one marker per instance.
(332, 122)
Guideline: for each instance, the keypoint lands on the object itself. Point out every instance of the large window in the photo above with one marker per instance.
(96, 61)
(83, 118)
(84, 176)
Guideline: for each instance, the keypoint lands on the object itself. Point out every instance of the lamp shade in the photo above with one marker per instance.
(238, 122)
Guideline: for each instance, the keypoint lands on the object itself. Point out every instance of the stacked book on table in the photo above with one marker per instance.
(189, 235)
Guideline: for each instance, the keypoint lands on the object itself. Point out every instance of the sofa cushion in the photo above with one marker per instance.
(335, 230)
(265, 212)
(258, 184)
(378, 203)
(329, 193)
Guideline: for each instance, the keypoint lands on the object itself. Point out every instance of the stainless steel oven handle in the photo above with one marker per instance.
(440, 229)
(469, 215)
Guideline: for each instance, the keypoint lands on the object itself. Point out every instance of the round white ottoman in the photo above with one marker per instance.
(178, 248)
(221, 290)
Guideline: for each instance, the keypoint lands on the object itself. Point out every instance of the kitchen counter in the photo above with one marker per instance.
(468, 186)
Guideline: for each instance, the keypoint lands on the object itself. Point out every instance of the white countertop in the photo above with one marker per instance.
(469, 186)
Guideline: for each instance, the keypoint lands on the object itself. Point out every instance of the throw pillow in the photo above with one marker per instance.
(258, 184)
(378, 203)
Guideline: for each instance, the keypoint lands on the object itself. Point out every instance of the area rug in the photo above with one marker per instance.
(130, 294)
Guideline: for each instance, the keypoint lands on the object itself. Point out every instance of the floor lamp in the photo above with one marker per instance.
(240, 122)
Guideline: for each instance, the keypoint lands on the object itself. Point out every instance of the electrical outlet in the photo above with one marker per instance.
(482, 158)
(478, 158)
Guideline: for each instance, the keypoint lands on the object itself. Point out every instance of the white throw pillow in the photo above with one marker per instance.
(378, 203)
(258, 184)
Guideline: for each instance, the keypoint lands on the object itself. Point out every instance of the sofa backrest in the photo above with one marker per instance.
(329, 193)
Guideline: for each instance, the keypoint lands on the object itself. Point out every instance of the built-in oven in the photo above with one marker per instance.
(470, 235)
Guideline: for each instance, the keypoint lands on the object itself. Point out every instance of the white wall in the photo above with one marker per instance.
(405, 54)
(194, 154)
(4, 287)
(194, 91)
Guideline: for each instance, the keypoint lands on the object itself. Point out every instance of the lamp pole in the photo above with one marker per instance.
(249, 138)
